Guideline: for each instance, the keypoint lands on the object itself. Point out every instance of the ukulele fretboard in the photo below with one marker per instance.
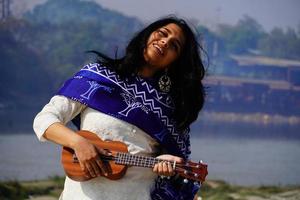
(136, 160)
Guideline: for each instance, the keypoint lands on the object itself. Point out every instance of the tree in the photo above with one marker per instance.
(19, 66)
(241, 37)
(281, 44)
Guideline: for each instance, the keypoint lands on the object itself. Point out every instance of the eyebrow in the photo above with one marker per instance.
(176, 40)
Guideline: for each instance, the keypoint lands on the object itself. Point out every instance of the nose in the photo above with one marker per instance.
(164, 42)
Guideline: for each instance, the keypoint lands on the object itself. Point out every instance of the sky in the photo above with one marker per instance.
(268, 13)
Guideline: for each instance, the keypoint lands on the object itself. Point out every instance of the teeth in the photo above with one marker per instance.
(158, 47)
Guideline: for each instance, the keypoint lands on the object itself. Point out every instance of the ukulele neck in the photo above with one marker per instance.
(136, 160)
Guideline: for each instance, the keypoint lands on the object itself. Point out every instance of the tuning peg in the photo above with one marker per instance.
(198, 166)
(185, 180)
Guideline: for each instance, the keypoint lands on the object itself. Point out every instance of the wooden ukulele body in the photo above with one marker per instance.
(72, 167)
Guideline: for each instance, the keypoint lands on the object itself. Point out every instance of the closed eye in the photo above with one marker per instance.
(162, 33)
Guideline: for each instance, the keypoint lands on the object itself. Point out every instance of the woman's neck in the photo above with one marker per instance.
(147, 72)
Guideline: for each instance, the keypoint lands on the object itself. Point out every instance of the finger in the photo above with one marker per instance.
(90, 170)
(155, 168)
(170, 169)
(165, 169)
(176, 159)
(84, 169)
(102, 166)
(105, 152)
(95, 167)
(160, 168)
(171, 158)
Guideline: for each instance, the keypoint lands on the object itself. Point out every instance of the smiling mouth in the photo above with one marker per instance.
(161, 52)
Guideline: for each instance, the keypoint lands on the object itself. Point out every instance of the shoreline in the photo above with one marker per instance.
(51, 188)
(207, 116)
(250, 118)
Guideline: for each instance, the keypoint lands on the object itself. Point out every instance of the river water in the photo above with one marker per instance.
(237, 160)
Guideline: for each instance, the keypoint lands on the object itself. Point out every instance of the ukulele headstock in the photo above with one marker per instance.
(192, 170)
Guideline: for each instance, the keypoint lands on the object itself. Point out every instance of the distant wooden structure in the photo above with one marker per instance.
(291, 67)
(5, 9)
(273, 87)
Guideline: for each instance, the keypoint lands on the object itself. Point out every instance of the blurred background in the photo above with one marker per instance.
(249, 129)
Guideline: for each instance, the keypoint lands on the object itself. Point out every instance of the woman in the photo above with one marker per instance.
(147, 99)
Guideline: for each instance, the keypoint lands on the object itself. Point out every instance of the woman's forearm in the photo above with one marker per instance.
(62, 135)
(50, 122)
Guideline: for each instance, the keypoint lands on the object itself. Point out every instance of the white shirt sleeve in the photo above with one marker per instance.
(59, 109)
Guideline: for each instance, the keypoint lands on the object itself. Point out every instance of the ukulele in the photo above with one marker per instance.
(120, 159)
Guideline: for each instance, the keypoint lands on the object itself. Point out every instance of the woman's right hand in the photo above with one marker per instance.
(87, 154)
(89, 158)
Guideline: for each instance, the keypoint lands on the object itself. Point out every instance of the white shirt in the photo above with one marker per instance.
(137, 182)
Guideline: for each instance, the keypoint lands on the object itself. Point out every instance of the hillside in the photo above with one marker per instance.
(46, 46)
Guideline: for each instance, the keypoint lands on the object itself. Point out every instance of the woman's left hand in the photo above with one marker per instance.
(165, 167)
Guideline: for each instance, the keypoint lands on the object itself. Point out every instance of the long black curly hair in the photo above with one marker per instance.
(186, 72)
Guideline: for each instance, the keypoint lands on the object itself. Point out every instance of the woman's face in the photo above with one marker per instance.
(163, 47)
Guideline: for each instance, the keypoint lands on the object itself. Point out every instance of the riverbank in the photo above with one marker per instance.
(250, 118)
(51, 188)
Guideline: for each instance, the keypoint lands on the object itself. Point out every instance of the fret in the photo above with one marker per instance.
(127, 159)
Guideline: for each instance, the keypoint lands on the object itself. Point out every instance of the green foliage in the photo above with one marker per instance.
(19, 64)
(62, 30)
(42, 50)
(281, 44)
(243, 36)
(78, 11)
(58, 180)
(220, 190)
(210, 190)
(248, 35)
(14, 190)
